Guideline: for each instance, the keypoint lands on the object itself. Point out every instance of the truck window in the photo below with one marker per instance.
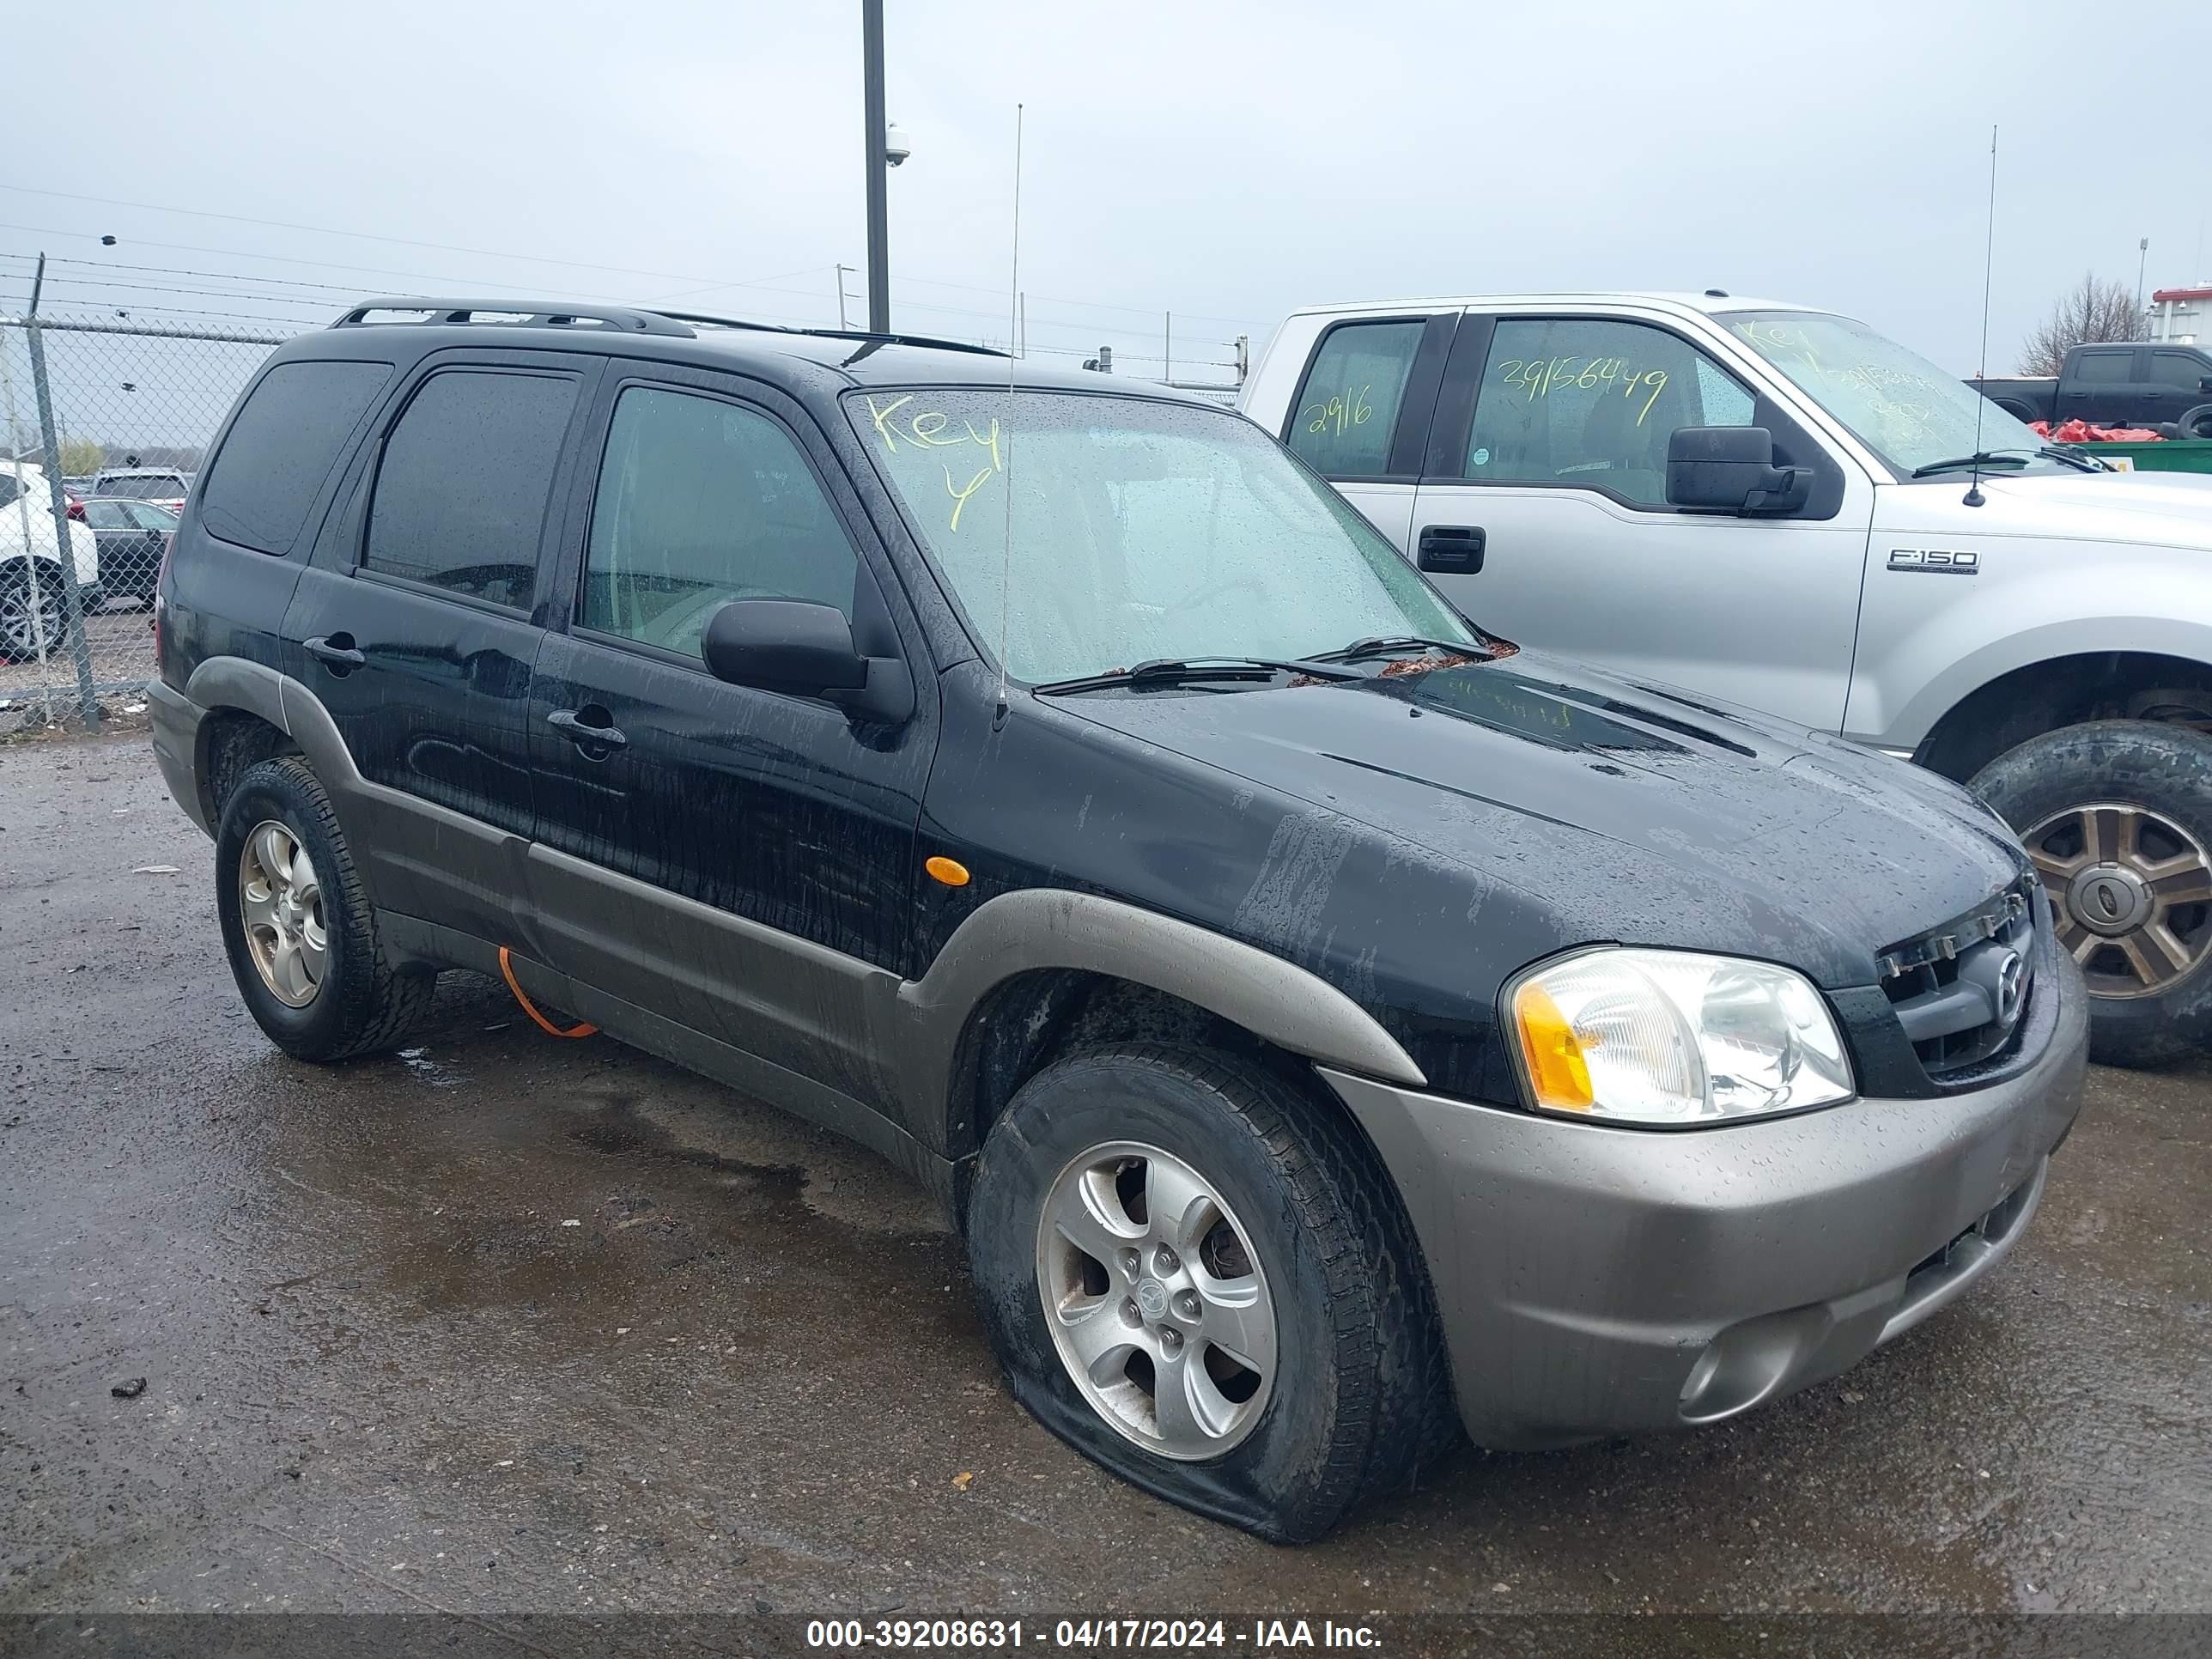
(2103, 368)
(1344, 413)
(461, 497)
(2178, 369)
(1593, 401)
(281, 447)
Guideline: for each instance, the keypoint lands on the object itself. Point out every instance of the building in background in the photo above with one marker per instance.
(2180, 316)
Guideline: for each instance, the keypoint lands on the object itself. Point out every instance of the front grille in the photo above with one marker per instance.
(1959, 990)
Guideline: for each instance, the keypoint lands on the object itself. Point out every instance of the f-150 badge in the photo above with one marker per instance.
(1935, 561)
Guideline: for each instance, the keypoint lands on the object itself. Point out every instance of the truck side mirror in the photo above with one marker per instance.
(1730, 468)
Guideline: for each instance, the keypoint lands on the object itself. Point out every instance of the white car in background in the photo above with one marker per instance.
(32, 614)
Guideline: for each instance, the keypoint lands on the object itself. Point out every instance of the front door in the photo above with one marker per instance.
(739, 861)
(2180, 381)
(414, 626)
(1550, 455)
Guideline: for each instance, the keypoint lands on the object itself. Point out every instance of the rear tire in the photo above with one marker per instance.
(2117, 816)
(1350, 1383)
(298, 927)
(18, 631)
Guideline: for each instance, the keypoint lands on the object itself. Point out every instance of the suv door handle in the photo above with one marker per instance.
(1451, 549)
(337, 652)
(587, 735)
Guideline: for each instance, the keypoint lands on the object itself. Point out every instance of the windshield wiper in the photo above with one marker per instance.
(1960, 463)
(2071, 457)
(1389, 645)
(1177, 671)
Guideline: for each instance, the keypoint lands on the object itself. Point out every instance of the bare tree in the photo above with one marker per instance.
(2093, 310)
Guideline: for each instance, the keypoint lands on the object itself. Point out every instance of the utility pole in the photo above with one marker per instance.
(2142, 262)
(879, 258)
(841, 270)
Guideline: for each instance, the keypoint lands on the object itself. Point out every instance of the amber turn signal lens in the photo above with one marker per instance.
(1558, 1073)
(950, 872)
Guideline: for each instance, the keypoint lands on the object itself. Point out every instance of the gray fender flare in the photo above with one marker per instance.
(220, 682)
(1051, 927)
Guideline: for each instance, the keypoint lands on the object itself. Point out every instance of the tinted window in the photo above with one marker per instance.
(2103, 368)
(1591, 402)
(148, 516)
(107, 515)
(1348, 407)
(701, 501)
(460, 496)
(143, 487)
(2178, 369)
(7, 489)
(281, 447)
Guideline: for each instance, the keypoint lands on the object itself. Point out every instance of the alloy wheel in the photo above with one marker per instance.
(21, 624)
(1156, 1300)
(280, 899)
(2131, 890)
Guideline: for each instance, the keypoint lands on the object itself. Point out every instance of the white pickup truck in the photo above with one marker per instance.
(1778, 508)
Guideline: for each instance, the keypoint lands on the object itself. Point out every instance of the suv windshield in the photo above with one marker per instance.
(1895, 402)
(1082, 533)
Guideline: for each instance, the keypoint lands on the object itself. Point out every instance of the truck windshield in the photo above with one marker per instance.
(1895, 402)
(1081, 534)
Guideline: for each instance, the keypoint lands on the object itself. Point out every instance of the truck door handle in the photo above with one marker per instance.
(336, 651)
(1451, 549)
(587, 734)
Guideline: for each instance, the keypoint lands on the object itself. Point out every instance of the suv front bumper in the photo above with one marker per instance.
(1594, 1280)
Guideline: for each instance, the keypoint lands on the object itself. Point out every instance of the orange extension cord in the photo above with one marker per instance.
(506, 973)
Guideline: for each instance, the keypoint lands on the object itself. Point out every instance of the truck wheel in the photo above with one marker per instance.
(2197, 423)
(2117, 815)
(1202, 1279)
(298, 928)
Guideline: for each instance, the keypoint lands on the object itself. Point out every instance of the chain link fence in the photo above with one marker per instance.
(116, 416)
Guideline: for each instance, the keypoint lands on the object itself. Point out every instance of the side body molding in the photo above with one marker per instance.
(1050, 927)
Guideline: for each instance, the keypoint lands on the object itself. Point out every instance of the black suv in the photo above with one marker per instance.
(1320, 1015)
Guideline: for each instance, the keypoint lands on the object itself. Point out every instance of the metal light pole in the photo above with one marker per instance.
(879, 257)
(2142, 264)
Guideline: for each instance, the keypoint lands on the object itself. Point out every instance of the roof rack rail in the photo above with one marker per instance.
(931, 341)
(521, 312)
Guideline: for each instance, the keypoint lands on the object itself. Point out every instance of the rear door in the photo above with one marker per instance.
(1549, 456)
(739, 861)
(1361, 412)
(2101, 385)
(417, 624)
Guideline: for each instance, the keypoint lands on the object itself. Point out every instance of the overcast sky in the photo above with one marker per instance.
(1223, 159)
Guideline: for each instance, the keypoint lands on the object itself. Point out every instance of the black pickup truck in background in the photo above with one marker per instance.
(2138, 385)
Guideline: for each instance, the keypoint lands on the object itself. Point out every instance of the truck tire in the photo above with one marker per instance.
(1281, 1298)
(298, 927)
(2117, 815)
(2197, 423)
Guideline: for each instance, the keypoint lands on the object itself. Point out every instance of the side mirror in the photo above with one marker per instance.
(2205, 385)
(805, 650)
(1730, 468)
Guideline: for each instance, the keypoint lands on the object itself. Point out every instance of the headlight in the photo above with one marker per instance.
(1673, 1037)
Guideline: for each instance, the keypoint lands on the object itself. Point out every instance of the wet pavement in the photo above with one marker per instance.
(510, 1323)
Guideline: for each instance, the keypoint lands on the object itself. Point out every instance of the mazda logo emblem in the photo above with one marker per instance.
(2012, 985)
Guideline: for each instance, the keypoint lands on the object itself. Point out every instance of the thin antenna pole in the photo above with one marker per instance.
(1974, 497)
(1007, 438)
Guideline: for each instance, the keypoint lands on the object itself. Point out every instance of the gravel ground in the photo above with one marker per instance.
(508, 1323)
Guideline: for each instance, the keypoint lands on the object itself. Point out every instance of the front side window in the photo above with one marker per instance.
(700, 502)
(1080, 533)
(1593, 401)
(107, 515)
(2180, 368)
(1346, 411)
(147, 516)
(461, 495)
(1909, 412)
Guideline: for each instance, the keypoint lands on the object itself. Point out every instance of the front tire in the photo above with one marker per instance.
(1200, 1277)
(298, 927)
(2117, 815)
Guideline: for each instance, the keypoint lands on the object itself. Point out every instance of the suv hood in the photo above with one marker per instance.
(1624, 813)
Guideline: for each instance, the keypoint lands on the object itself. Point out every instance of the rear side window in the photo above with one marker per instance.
(460, 496)
(2103, 368)
(700, 502)
(1347, 409)
(281, 448)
